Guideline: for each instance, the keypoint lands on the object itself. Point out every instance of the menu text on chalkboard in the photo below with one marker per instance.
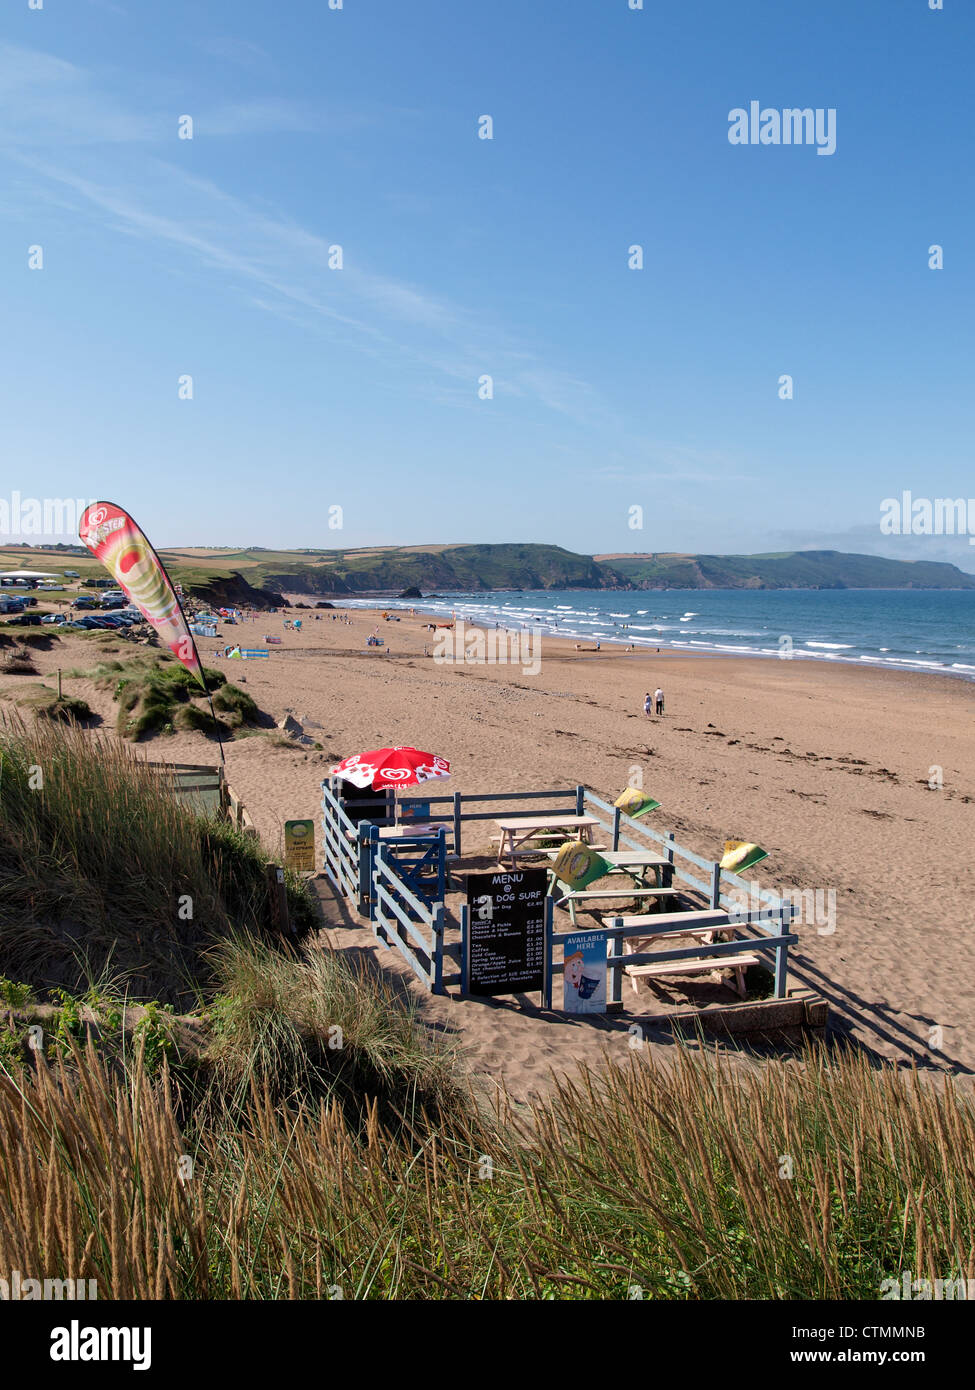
(506, 931)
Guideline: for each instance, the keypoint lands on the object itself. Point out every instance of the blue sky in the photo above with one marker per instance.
(358, 387)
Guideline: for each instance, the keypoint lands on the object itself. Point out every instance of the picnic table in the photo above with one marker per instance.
(708, 926)
(516, 832)
(407, 829)
(635, 864)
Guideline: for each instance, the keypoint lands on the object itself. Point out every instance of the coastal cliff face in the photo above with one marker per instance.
(799, 569)
(470, 568)
(482, 568)
(234, 592)
(259, 577)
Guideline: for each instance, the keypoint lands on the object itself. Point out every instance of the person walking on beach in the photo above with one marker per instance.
(647, 705)
(658, 700)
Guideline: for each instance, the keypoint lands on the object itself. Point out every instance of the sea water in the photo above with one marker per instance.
(913, 630)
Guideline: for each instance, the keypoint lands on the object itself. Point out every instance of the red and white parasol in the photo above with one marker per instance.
(392, 767)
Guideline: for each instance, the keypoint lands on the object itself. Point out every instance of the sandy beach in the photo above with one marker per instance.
(829, 768)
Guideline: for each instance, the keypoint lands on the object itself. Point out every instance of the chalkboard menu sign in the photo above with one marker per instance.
(506, 931)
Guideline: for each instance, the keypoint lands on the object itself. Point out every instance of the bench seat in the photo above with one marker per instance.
(737, 964)
(706, 917)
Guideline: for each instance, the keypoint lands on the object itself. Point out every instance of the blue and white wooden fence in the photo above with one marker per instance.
(450, 808)
(401, 884)
(772, 942)
(420, 861)
(340, 841)
(403, 919)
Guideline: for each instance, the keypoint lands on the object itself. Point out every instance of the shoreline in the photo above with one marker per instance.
(611, 644)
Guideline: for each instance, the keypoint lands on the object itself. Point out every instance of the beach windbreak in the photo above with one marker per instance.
(113, 538)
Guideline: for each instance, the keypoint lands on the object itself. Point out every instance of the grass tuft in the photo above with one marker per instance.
(97, 858)
(300, 1026)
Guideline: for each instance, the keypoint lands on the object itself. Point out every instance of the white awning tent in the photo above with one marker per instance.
(28, 574)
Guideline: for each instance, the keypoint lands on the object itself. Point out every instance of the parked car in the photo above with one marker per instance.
(110, 602)
(25, 620)
(54, 618)
(11, 605)
(85, 601)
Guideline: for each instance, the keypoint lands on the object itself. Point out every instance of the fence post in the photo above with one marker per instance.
(436, 947)
(441, 864)
(614, 935)
(782, 953)
(580, 800)
(368, 839)
(547, 959)
(374, 848)
(667, 875)
(457, 805)
(616, 828)
(716, 884)
(464, 947)
(278, 894)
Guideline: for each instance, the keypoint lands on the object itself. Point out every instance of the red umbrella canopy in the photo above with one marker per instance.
(392, 767)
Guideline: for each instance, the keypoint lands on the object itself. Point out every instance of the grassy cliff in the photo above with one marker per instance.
(797, 569)
(257, 576)
(457, 567)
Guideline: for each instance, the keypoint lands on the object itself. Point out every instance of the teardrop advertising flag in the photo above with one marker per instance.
(113, 538)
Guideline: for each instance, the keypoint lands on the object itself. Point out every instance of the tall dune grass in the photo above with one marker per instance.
(304, 1026)
(633, 1181)
(103, 872)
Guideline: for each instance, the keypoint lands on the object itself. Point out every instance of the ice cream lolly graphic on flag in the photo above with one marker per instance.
(113, 537)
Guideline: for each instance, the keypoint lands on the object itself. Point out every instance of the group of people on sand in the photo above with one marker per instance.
(653, 704)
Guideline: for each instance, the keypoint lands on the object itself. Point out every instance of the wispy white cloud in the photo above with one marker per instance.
(275, 264)
(47, 102)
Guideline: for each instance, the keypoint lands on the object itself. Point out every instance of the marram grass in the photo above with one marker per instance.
(103, 872)
(631, 1181)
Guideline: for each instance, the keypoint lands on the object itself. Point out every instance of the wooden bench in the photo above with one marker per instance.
(737, 964)
(704, 926)
(538, 842)
(707, 917)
